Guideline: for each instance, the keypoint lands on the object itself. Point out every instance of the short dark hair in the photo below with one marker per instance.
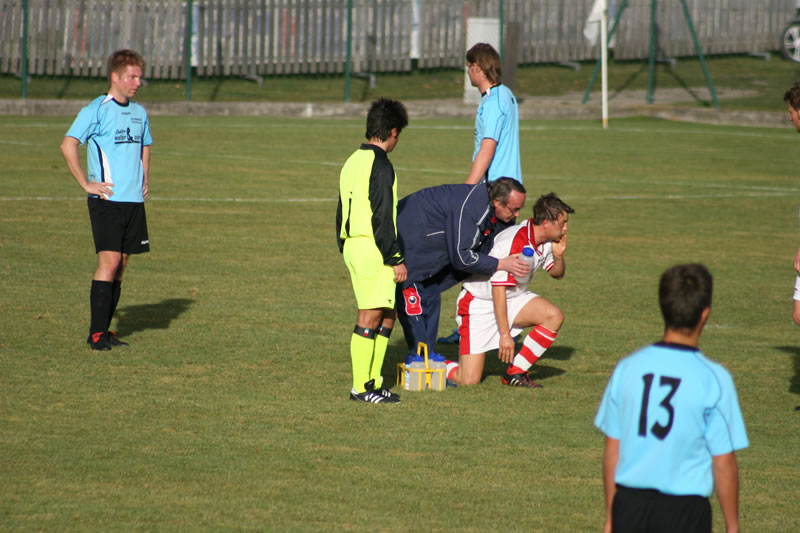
(384, 115)
(500, 189)
(488, 60)
(792, 96)
(120, 59)
(683, 292)
(549, 207)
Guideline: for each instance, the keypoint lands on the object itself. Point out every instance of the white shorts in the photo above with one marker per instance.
(797, 287)
(477, 324)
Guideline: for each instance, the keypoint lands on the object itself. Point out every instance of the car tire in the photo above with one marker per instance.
(790, 44)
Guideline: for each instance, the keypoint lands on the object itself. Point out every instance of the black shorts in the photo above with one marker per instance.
(651, 511)
(118, 226)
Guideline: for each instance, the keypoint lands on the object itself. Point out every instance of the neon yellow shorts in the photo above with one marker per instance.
(373, 282)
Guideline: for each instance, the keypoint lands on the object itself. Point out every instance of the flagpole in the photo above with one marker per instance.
(604, 60)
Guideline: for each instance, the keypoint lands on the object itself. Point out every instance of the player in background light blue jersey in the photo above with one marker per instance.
(116, 131)
(672, 423)
(496, 152)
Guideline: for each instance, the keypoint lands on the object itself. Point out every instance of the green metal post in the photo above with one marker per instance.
(347, 64)
(24, 49)
(597, 65)
(187, 47)
(651, 64)
(502, 22)
(699, 50)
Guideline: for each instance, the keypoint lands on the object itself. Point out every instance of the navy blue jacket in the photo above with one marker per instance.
(448, 225)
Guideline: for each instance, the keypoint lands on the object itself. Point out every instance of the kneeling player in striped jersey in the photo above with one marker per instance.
(492, 310)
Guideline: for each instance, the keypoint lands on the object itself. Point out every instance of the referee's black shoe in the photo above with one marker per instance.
(386, 393)
(99, 341)
(371, 395)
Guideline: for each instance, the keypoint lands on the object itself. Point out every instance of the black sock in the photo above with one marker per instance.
(116, 289)
(100, 303)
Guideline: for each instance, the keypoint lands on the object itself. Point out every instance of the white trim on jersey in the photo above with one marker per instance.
(471, 255)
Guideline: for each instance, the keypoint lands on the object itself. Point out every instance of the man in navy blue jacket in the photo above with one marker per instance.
(446, 233)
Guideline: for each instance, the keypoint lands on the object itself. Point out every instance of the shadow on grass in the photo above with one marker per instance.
(64, 88)
(135, 318)
(794, 382)
(689, 90)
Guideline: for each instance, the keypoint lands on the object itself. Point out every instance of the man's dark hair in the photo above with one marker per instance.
(121, 59)
(500, 189)
(683, 292)
(792, 96)
(488, 60)
(383, 116)
(549, 207)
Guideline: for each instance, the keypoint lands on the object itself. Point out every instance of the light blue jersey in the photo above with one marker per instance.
(115, 134)
(672, 409)
(498, 119)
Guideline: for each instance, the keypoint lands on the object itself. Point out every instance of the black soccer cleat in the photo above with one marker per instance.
(520, 380)
(386, 393)
(114, 340)
(373, 395)
(99, 341)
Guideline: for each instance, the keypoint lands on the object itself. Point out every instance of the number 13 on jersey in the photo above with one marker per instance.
(665, 389)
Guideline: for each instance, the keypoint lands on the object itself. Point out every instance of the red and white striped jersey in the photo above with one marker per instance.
(509, 242)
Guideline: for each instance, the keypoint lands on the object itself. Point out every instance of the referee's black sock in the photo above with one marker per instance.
(100, 303)
(116, 289)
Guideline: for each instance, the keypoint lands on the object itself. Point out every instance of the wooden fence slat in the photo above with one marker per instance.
(269, 37)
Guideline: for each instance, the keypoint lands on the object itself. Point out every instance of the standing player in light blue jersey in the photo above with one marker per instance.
(117, 134)
(672, 423)
(496, 152)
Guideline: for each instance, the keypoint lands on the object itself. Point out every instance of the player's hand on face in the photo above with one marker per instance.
(99, 189)
(400, 273)
(797, 261)
(506, 351)
(560, 247)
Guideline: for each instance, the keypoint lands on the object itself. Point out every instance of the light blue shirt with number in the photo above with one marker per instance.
(115, 135)
(498, 119)
(672, 409)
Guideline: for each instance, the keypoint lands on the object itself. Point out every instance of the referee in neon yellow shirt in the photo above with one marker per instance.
(366, 230)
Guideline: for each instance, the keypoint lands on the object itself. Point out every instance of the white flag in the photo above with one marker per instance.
(591, 30)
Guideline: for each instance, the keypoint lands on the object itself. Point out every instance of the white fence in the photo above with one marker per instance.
(269, 37)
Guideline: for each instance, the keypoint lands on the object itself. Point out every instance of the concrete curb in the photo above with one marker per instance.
(530, 109)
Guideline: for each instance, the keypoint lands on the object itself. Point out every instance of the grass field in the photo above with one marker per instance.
(756, 84)
(229, 410)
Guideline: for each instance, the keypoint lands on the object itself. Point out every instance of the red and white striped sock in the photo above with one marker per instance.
(538, 340)
(451, 366)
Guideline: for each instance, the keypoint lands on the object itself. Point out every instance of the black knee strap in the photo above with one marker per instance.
(367, 333)
(386, 332)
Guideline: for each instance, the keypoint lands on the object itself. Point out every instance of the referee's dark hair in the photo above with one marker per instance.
(683, 292)
(384, 115)
(549, 207)
(500, 189)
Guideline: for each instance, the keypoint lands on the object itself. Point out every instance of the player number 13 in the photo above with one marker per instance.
(658, 430)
